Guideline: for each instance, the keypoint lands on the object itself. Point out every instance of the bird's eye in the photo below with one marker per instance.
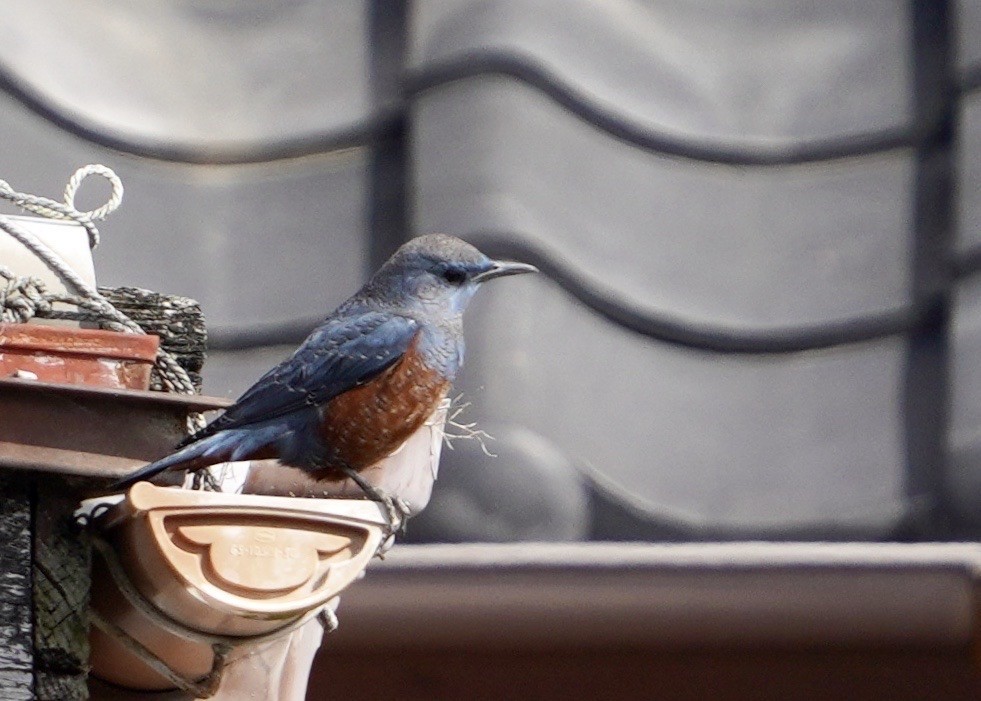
(454, 276)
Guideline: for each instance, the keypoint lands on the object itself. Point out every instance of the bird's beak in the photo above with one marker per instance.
(501, 268)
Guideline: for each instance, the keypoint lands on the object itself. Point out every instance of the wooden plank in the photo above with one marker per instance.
(178, 321)
(61, 582)
(16, 627)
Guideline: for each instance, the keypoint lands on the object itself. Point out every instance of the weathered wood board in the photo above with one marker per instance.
(16, 625)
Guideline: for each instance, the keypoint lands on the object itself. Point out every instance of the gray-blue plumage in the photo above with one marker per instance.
(402, 332)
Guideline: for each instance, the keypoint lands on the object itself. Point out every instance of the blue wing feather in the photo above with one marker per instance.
(339, 355)
(342, 353)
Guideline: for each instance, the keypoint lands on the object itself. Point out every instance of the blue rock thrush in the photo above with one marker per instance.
(363, 381)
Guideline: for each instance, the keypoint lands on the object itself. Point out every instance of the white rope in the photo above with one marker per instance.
(51, 209)
(32, 298)
(50, 258)
(115, 197)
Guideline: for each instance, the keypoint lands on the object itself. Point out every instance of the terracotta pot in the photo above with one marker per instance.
(77, 356)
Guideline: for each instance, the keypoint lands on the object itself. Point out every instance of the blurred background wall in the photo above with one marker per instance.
(759, 224)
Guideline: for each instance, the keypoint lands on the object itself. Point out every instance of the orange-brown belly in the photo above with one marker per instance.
(368, 423)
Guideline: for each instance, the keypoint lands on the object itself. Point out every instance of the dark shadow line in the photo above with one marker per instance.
(389, 192)
(624, 312)
(354, 135)
(926, 385)
(967, 264)
(236, 338)
(970, 80)
(485, 63)
(387, 120)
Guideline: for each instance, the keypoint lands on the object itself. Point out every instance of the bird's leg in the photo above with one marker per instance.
(398, 509)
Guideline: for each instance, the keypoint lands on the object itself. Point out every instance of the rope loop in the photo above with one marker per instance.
(115, 197)
(66, 210)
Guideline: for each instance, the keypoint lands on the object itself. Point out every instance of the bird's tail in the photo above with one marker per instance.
(148, 471)
(224, 446)
(186, 458)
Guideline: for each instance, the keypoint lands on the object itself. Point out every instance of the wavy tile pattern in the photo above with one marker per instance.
(764, 74)
(746, 442)
(253, 243)
(726, 179)
(750, 323)
(212, 105)
(183, 77)
(751, 250)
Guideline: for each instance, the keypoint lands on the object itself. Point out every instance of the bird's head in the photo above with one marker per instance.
(440, 270)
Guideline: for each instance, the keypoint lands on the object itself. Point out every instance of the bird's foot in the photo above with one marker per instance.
(396, 508)
(398, 513)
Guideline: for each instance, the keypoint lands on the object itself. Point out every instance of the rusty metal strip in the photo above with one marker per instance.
(89, 431)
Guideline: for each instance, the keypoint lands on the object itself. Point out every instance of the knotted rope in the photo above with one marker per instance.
(24, 298)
